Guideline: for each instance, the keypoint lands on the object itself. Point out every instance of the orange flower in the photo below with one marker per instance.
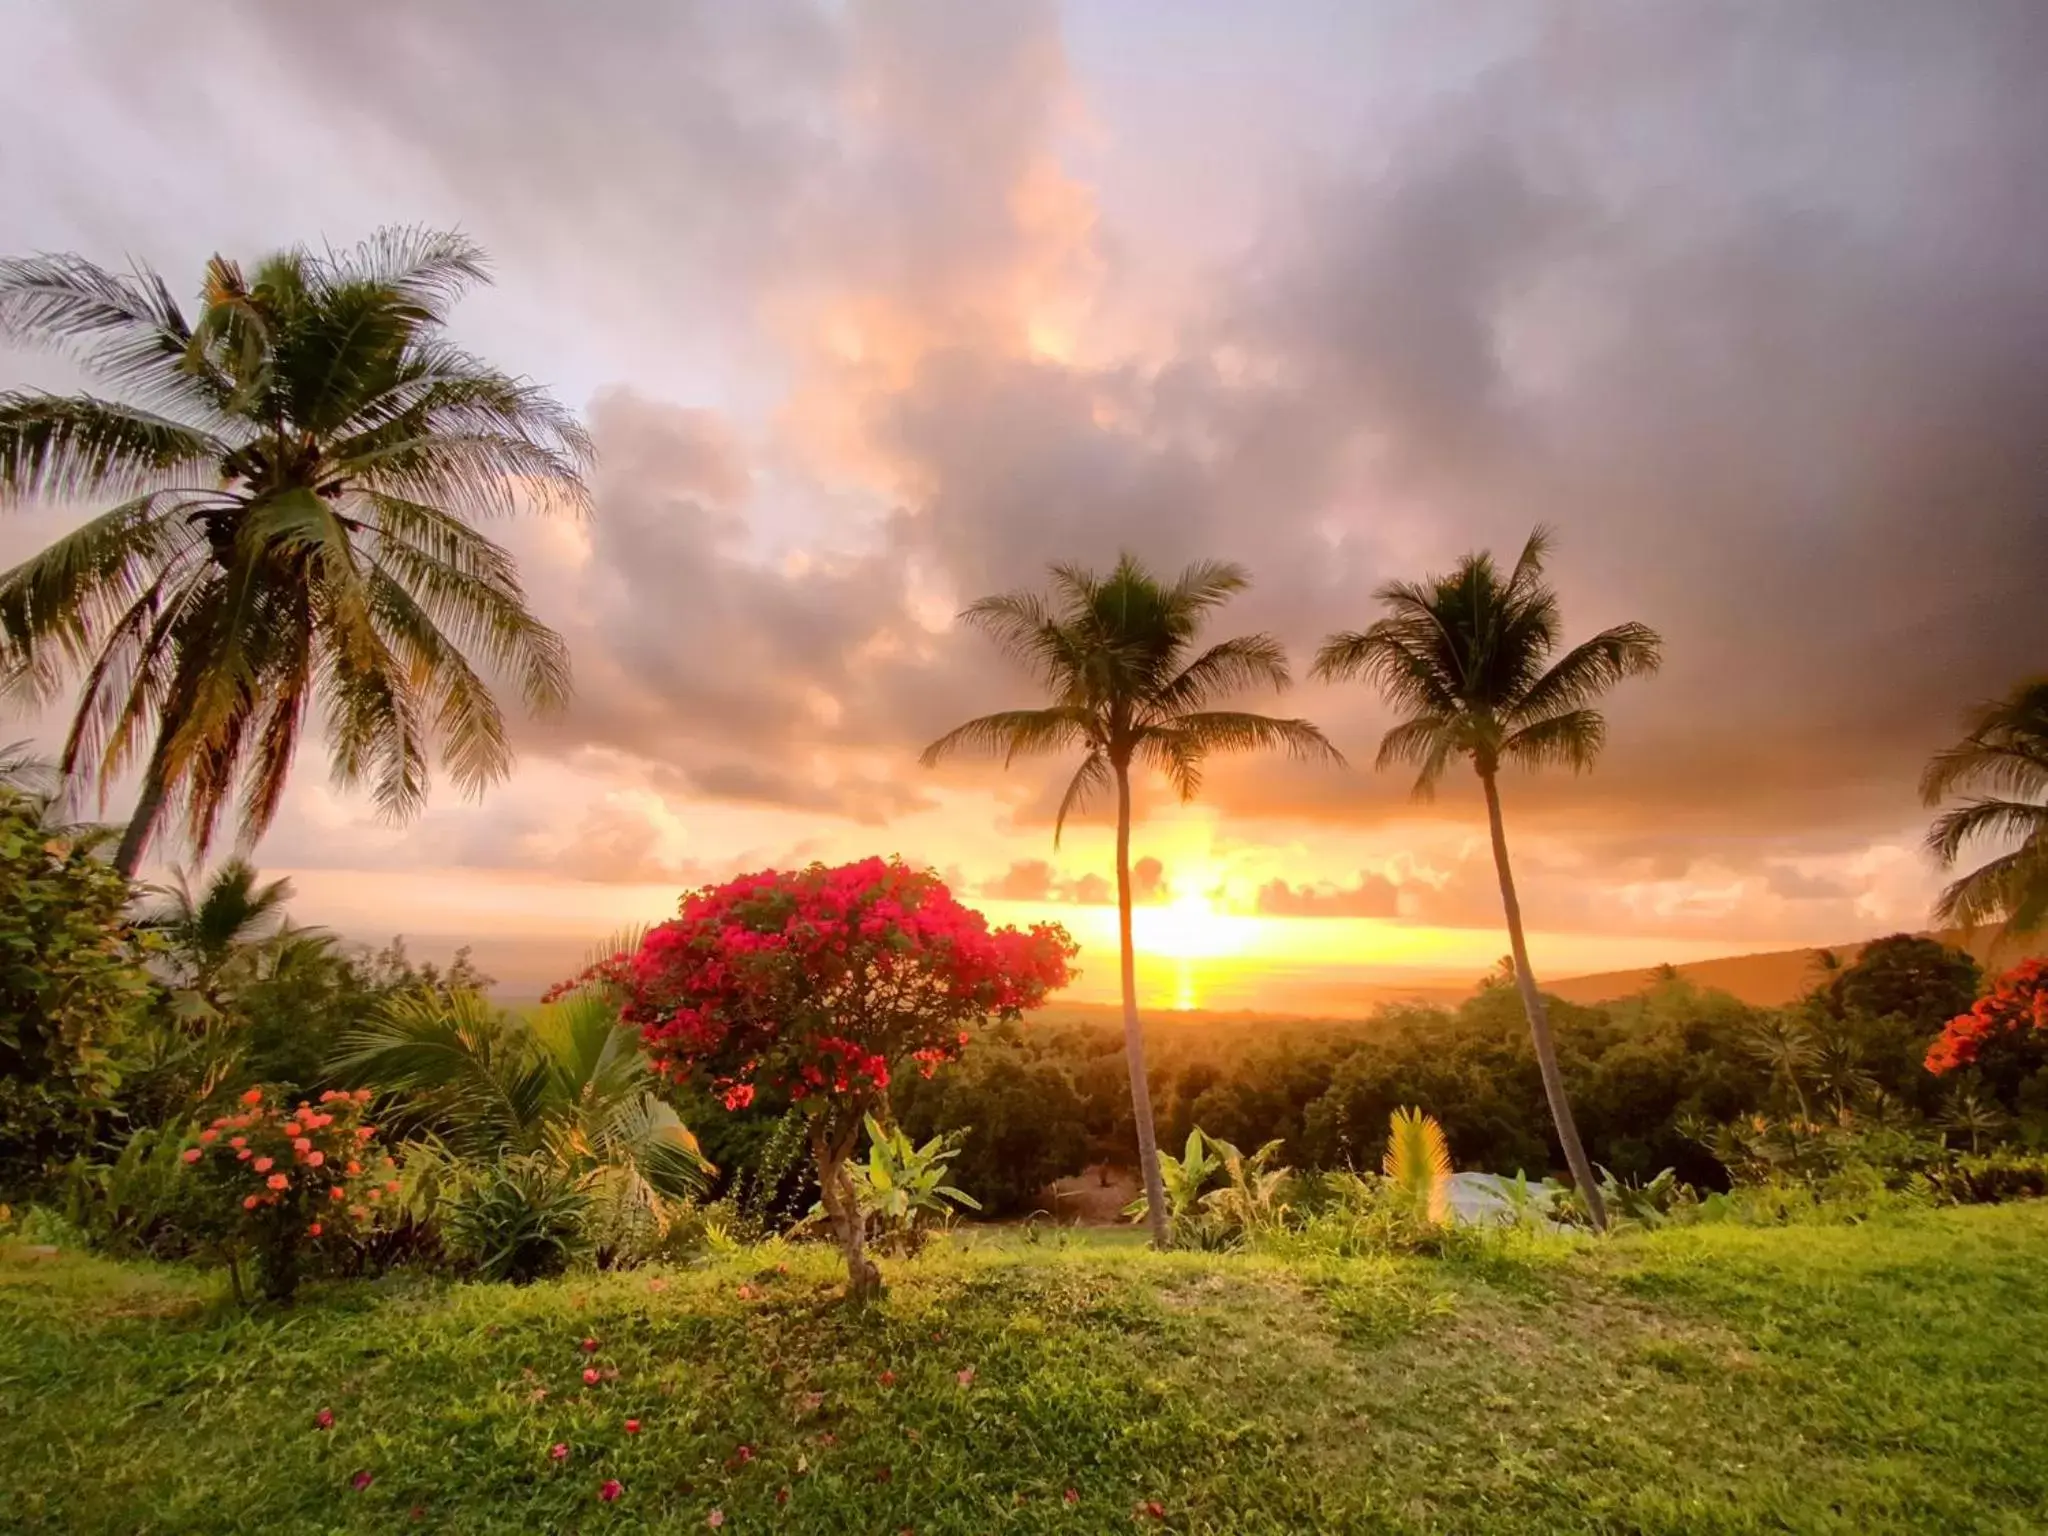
(337, 1193)
(278, 1181)
(313, 1230)
(253, 1096)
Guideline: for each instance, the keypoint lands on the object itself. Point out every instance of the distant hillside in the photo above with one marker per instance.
(1777, 976)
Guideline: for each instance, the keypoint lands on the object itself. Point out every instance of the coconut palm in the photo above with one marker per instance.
(209, 930)
(1471, 659)
(295, 475)
(2003, 756)
(1116, 654)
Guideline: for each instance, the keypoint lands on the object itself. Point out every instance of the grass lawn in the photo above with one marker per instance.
(1884, 1377)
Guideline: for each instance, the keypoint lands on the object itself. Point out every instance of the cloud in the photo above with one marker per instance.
(1037, 880)
(1373, 895)
(1747, 304)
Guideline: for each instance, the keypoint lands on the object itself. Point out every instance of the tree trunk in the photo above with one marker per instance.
(842, 1208)
(1539, 1019)
(1134, 1033)
(142, 825)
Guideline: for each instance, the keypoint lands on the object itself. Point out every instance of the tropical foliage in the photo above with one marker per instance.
(1471, 660)
(72, 987)
(901, 1187)
(1418, 1165)
(1117, 655)
(295, 476)
(2001, 767)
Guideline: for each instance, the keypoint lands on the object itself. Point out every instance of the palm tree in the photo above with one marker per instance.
(1116, 655)
(1468, 657)
(295, 476)
(207, 930)
(571, 1084)
(2005, 756)
(1788, 1048)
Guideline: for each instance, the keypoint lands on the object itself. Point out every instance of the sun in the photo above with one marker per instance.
(1187, 928)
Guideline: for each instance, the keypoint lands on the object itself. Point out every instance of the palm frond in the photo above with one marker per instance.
(1590, 670)
(1571, 740)
(1418, 1164)
(1013, 733)
(63, 448)
(1093, 777)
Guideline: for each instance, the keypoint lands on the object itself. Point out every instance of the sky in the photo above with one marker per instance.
(874, 308)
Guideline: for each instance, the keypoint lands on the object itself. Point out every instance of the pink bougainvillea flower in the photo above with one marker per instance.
(591, 1376)
(966, 1377)
(316, 1159)
(265, 1164)
(208, 1136)
(743, 1455)
(632, 1426)
(1152, 1509)
(302, 1144)
(589, 1346)
(253, 1096)
(1072, 1495)
(558, 1451)
(244, 1155)
(238, 1141)
(250, 1202)
(361, 1481)
(191, 1154)
(887, 1378)
(278, 1181)
(610, 1489)
(324, 1419)
(715, 1519)
(313, 1230)
(292, 1127)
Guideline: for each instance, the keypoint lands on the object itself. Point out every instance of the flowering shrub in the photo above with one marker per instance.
(280, 1177)
(819, 984)
(2005, 1034)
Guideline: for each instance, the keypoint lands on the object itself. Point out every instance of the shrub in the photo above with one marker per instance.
(277, 1178)
(902, 1187)
(520, 1218)
(70, 984)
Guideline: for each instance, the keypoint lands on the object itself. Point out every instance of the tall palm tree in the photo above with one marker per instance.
(1469, 658)
(1116, 654)
(295, 477)
(2004, 756)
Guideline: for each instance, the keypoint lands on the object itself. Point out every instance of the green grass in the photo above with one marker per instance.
(1892, 1376)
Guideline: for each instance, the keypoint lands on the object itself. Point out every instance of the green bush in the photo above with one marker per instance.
(520, 1218)
(70, 986)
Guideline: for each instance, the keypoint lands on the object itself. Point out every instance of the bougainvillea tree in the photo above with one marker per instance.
(820, 984)
(2004, 1038)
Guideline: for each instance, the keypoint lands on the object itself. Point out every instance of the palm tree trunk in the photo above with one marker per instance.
(1134, 1032)
(142, 825)
(1539, 1019)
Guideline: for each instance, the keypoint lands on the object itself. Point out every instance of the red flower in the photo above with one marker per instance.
(313, 1230)
(715, 1519)
(361, 1481)
(1152, 1509)
(191, 1154)
(558, 1451)
(1072, 1495)
(887, 1378)
(632, 1426)
(278, 1181)
(250, 1202)
(609, 1490)
(591, 1376)
(253, 1096)
(966, 1377)
(589, 1346)
(244, 1155)
(324, 1419)
(743, 1455)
